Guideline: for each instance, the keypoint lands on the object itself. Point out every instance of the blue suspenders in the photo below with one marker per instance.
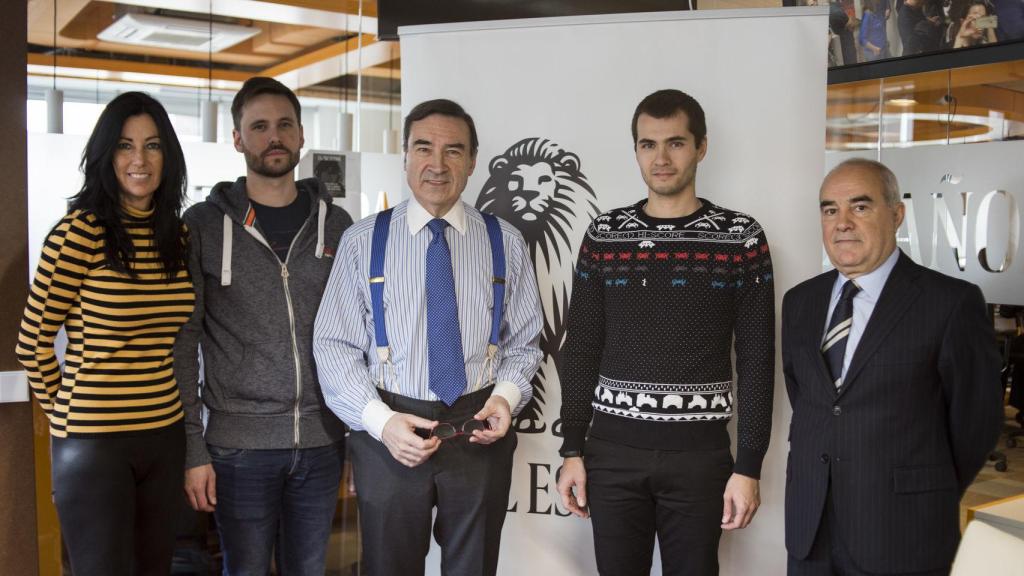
(498, 281)
(378, 249)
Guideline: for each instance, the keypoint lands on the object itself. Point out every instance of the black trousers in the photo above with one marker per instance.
(467, 483)
(118, 500)
(829, 557)
(636, 493)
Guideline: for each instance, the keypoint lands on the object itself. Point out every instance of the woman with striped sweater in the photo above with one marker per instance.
(112, 273)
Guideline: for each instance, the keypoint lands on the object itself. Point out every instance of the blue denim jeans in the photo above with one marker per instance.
(281, 500)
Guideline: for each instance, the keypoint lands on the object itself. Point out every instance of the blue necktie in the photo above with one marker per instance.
(446, 366)
(838, 332)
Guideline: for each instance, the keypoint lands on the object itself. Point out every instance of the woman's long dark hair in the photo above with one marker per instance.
(101, 192)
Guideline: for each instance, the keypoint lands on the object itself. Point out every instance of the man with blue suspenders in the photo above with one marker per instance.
(425, 344)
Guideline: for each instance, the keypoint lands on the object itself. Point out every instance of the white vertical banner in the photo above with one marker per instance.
(553, 99)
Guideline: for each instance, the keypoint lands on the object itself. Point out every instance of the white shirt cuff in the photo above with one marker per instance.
(375, 416)
(510, 392)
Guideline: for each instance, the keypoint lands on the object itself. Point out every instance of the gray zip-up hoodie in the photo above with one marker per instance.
(249, 341)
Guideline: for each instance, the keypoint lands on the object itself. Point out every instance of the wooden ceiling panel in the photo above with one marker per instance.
(139, 67)
(390, 70)
(344, 6)
(267, 43)
(79, 22)
(41, 22)
(299, 42)
(325, 53)
(301, 35)
(92, 19)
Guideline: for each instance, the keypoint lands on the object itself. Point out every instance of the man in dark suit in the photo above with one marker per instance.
(893, 375)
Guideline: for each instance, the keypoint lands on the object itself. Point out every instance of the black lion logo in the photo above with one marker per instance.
(538, 187)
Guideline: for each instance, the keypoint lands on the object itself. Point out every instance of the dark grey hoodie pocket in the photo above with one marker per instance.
(265, 380)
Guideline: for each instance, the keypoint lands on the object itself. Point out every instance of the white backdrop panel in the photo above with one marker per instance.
(761, 77)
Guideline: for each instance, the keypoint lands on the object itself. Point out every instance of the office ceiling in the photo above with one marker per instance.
(317, 47)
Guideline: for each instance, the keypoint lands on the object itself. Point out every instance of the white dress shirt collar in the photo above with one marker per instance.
(416, 216)
(872, 283)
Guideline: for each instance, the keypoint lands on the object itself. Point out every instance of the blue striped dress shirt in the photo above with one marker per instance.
(348, 366)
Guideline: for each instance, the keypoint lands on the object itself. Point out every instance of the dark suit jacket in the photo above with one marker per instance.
(920, 408)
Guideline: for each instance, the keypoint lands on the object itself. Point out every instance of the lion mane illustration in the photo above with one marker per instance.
(538, 187)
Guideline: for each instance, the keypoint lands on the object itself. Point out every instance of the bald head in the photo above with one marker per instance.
(883, 177)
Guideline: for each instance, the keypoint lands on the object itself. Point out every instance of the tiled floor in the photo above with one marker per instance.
(992, 484)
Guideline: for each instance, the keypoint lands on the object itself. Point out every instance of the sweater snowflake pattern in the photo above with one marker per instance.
(657, 305)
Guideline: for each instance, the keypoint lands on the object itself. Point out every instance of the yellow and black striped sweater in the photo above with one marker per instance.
(118, 372)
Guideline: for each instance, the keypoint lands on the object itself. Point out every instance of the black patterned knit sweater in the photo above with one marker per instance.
(657, 305)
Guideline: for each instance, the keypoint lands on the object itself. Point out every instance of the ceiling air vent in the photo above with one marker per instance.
(175, 33)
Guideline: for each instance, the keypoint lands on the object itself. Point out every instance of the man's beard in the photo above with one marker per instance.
(256, 164)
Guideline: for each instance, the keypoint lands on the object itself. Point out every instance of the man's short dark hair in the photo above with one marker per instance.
(668, 103)
(443, 107)
(258, 86)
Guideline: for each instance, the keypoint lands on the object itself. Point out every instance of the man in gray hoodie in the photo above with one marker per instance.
(268, 463)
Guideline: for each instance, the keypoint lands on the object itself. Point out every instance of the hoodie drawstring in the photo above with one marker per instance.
(225, 255)
(321, 217)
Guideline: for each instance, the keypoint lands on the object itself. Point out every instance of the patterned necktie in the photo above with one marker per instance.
(446, 366)
(838, 332)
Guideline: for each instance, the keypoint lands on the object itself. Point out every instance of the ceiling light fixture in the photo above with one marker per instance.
(344, 116)
(54, 97)
(208, 111)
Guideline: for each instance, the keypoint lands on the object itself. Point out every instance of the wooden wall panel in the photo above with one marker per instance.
(17, 477)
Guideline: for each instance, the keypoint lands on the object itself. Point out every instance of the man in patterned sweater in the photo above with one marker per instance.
(662, 288)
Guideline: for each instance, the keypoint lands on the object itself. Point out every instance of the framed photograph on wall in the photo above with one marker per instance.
(329, 168)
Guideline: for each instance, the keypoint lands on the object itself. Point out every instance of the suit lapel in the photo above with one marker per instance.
(899, 291)
(817, 314)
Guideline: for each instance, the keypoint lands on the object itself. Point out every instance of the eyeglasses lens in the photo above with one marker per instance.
(473, 425)
(444, 431)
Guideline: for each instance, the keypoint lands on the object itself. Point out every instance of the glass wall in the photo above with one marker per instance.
(84, 99)
(959, 106)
